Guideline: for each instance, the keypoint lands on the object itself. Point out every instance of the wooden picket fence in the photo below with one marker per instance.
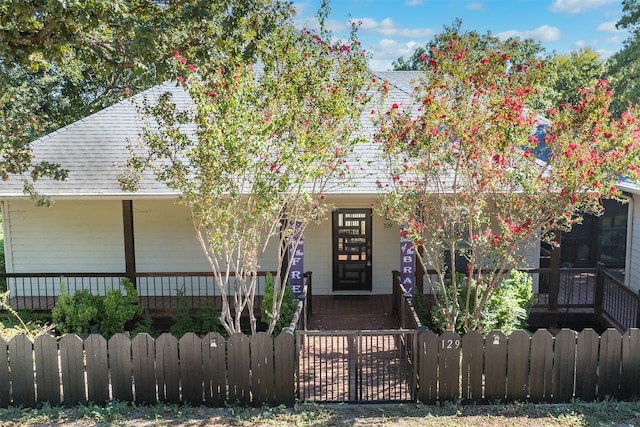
(200, 371)
(537, 368)
(260, 370)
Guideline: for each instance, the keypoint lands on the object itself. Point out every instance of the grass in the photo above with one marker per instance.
(308, 414)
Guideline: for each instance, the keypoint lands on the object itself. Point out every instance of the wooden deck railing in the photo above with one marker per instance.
(599, 290)
(157, 291)
(403, 306)
(615, 302)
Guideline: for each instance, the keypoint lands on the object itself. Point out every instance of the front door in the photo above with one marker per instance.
(352, 250)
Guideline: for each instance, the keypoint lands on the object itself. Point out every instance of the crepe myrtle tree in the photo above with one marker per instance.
(256, 152)
(474, 188)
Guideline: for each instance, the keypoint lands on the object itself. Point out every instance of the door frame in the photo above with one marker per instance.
(367, 286)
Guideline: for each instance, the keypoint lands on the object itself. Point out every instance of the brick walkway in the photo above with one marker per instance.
(352, 313)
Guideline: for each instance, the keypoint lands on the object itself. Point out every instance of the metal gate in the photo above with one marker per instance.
(356, 366)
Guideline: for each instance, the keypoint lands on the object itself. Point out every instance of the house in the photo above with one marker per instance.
(94, 227)
(632, 241)
(95, 233)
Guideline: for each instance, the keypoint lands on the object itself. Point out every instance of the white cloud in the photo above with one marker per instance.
(580, 44)
(577, 6)
(605, 53)
(388, 28)
(475, 6)
(414, 2)
(609, 27)
(312, 23)
(388, 50)
(544, 33)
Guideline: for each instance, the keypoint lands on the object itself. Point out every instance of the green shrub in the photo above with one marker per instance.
(419, 307)
(287, 309)
(77, 313)
(507, 310)
(145, 325)
(119, 309)
(199, 321)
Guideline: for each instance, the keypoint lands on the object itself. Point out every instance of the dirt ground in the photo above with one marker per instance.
(575, 414)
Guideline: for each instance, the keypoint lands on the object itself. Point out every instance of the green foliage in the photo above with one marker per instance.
(506, 310)
(522, 50)
(565, 75)
(464, 176)
(119, 309)
(77, 313)
(420, 308)
(14, 323)
(624, 66)
(145, 325)
(200, 321)
(287, 309)
(63, 60)
(258, 147)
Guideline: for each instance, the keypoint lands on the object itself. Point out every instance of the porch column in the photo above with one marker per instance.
(129, 244)
(554, 279)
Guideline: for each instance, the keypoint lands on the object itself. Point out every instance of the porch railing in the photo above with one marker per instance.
(595, 290)
(403, 306)
(615, 302)
(157, 291)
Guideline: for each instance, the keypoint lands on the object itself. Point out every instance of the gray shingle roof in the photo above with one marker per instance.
(95, 148)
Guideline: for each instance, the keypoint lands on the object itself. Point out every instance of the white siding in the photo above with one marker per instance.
(69, 236)
(165, 239)
(633, 243)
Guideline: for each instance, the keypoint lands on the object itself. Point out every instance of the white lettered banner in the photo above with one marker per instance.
(407, 263)
(296, 259)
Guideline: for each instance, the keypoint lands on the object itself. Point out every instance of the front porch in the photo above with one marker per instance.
(579, 295)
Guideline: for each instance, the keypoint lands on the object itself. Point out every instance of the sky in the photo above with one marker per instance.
(390, 29)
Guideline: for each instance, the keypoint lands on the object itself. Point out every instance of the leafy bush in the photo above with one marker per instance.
(145, 325)
(287, 309)
(119, 309)
(14, 323)
(419, 307)
(199, 321)
(77, 313)
(507, 310)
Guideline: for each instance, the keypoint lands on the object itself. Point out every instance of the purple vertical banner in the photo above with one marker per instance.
(407, 263)
(296, 260)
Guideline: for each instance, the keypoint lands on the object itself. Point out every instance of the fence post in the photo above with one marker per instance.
(309, 296)
(554, 279)
(638, 310)
(395, 274)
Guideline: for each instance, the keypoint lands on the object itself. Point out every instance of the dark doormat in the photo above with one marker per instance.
(351, 297)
